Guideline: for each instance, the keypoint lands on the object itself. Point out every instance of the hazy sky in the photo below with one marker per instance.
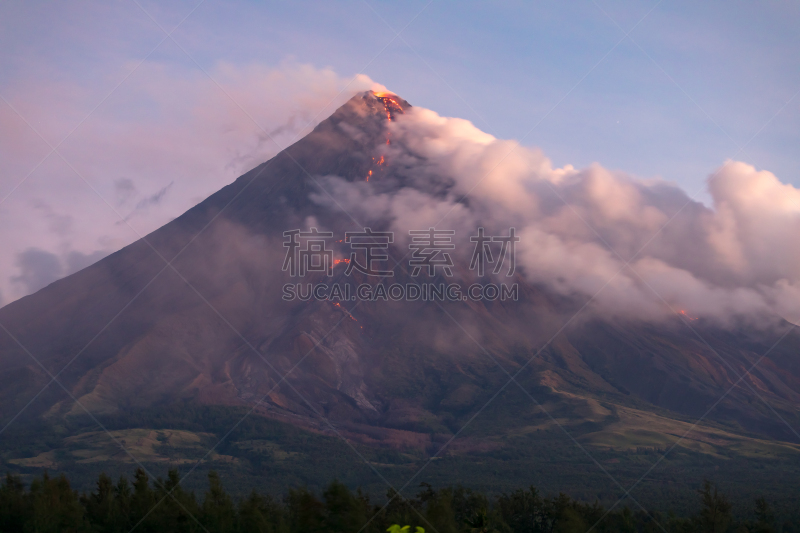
(153, 125)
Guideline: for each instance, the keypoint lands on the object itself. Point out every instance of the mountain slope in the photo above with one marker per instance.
(194, 312)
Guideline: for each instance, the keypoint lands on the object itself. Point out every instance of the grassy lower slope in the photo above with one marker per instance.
(590, 459)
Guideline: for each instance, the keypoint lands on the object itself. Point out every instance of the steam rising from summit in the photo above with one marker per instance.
(642, 248)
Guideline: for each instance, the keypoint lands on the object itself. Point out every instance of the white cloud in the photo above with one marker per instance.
(579, 228)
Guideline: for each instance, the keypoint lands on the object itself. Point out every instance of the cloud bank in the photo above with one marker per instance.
(640, 248)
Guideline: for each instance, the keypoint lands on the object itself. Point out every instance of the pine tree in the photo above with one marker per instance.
(100, 506)
(176, 509)
(218, 513)
(261, 514)
(765, 519)
(142, 502)
(715, 514)
(55, 507)
(122, 502)
(439, 513)
(343, 510)
(306, 512)
(13, 504)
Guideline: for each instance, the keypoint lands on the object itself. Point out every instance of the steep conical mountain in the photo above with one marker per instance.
(195, 312)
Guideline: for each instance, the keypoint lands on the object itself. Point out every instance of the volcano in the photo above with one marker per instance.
(197, 313)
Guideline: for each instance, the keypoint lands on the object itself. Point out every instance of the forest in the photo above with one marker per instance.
(50, 504)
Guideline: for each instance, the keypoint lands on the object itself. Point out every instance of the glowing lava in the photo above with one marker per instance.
(345, 311)
(391, 106)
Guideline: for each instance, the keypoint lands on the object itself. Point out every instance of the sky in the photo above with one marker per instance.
(151, 106)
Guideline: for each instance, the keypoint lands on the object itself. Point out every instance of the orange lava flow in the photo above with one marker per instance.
(337, 261)
(391, 105)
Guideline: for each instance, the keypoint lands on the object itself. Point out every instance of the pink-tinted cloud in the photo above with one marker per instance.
(164, 140)
(642, 248)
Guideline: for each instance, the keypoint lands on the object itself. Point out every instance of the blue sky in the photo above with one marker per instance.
(686, 90)
(707, 77)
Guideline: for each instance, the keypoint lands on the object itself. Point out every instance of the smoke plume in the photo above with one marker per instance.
(639, 248)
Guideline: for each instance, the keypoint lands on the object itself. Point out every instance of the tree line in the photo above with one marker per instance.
(162, 505)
